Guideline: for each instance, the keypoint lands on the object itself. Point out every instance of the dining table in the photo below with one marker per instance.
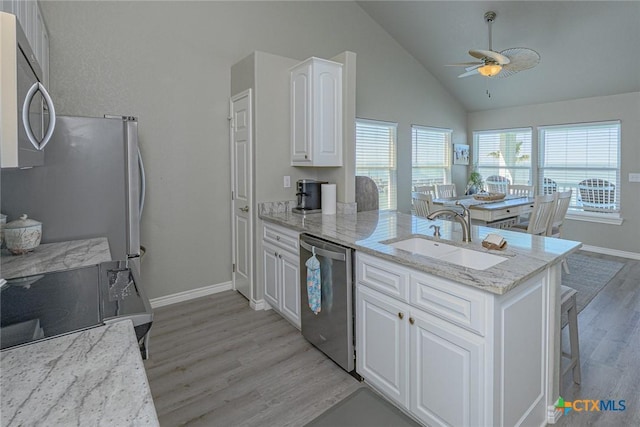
(502, 213)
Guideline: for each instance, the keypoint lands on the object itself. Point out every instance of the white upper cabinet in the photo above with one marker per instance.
(316, 113)
(30, 18)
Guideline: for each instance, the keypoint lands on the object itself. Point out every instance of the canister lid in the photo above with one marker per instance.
(23, 222)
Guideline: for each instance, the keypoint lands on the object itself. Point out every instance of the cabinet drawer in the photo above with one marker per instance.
(450, 301)
(383, 276)
(282, 237)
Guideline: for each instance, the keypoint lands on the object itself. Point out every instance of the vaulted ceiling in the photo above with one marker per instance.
(587, 48)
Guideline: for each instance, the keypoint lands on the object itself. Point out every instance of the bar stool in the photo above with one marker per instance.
(568, 306)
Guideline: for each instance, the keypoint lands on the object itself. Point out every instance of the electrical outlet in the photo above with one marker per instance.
(634, 177)
(287, 181)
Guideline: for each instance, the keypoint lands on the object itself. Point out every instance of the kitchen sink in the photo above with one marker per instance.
(449, 253)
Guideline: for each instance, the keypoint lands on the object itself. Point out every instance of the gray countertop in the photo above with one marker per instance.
(367, 231)
(92, 377)
(55, 257)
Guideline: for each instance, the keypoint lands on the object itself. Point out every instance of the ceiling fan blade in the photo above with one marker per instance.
(473, 67)
(463, 64)
(495, 56)
(468, 73)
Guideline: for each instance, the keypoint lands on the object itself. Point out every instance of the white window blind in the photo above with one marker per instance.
(376, 158)
(430, 155)
(586, 159)
(504, 152)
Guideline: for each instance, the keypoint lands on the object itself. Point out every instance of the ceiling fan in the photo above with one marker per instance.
(499, 64)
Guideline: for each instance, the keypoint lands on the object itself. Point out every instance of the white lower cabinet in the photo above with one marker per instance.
(281, 273)
(425, 365)
(382, 335)
(445, 372)
(452, 355)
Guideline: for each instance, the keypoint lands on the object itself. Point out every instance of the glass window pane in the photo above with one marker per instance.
(505, 152)
(376, 158)
(430, 155)
(584, 158)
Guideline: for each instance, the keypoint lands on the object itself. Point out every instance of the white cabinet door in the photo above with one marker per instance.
(301, 115)
(382, 348)
(316, 113)
(446, 365)
(270, 274)
(290, 280)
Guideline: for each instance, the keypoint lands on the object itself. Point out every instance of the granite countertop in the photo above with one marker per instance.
(369, 231)
(92, 377)
(55, 257)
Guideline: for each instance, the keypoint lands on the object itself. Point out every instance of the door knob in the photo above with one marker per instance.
(401, 315)
(245, 209)
(411, 320)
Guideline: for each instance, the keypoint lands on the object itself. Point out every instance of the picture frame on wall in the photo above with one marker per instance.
(460, 154)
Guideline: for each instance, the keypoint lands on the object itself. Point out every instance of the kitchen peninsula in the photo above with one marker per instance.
(451, 344)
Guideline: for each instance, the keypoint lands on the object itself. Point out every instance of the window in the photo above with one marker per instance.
(430, 156)
(584, 158)
(376, 157)
(505, 152)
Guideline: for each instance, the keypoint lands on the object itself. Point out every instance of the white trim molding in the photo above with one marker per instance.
(612, 252)
(259, 305)
(602, 218)
(191, 294)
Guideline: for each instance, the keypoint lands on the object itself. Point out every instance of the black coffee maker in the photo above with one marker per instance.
(309, 196)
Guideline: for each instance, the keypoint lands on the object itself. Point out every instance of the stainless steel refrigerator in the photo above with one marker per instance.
(91, 184)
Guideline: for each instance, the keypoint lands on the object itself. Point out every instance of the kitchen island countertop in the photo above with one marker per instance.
(51, 257)
(370, 232)
(91, 377)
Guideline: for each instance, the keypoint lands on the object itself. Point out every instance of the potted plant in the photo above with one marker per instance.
(475, 183)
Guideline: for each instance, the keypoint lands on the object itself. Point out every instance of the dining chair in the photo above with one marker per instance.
(422, 203)
(497, 184)
(562, 206)
(520, 190)
(597, 195)
(543, 209)
(425, 189)
(555, 225)
(446, 190)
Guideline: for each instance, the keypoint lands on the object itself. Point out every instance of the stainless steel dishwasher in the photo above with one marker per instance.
(332, 329)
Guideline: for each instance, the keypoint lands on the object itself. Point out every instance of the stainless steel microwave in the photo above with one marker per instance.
(27, 114)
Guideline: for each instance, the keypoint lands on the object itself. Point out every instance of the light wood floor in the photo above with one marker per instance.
(609, 330)
(216, 362)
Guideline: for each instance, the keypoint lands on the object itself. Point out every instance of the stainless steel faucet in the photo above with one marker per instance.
(463, 218)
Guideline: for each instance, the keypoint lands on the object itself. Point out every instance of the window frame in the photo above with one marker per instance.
(393, 168)
(447, 145)
(476, 153)
(575, 212)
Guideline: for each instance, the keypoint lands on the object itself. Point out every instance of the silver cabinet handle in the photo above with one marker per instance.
(245, 209)
(38, 145)
(338, 256)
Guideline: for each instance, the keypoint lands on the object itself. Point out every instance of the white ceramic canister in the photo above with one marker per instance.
(22, 235)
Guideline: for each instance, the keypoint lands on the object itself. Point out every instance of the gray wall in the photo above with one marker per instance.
(169, 64)
(624, 107)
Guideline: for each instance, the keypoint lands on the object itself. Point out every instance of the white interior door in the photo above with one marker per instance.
(242, 197)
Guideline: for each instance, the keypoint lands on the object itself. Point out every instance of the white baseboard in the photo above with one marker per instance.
(191, 294)
(259, 305)
(612, 252)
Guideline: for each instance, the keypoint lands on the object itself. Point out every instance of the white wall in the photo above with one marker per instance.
(624, 107)
(168, 63)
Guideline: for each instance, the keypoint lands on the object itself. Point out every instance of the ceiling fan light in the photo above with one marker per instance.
(490, 70)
